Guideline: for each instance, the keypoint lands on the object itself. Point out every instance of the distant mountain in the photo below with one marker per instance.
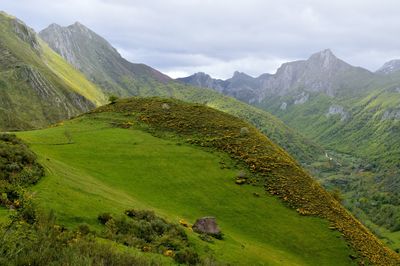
(99, 61)
(204, 80)
(389, 67)
(322, 72)
(37, 87)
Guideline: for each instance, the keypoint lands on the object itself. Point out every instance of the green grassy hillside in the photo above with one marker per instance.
(37, 87)
(152, 154)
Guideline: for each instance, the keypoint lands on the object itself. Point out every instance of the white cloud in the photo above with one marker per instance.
(220, 36)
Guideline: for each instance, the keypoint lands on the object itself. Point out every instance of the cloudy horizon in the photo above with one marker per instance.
(181, 37)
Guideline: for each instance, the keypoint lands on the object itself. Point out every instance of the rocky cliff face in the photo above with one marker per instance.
(98, 60)
(26, 34)
(389, 67)
(203, 80)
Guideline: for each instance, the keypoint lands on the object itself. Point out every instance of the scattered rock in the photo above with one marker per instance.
(337, 110)
(391, 114)
(353, 257)
(255, 194)
(302, 98)
(184, 223)
(165, 106)
(244, 131)
(206, 225)
(240, 181)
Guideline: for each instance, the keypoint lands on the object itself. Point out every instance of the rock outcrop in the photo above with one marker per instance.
(206, 225)
(389, 67)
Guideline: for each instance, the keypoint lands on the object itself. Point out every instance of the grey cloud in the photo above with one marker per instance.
(220, 36)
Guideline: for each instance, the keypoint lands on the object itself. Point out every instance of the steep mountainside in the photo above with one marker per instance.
(211, 148)
(99, 61)
(37, 86)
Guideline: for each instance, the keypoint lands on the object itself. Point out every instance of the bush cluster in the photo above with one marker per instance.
(18, 169)
(43, 242)
(146, 231)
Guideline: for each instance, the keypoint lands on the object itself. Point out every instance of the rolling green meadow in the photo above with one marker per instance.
(92, 167)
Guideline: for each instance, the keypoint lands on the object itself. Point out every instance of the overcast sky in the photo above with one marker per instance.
(180, 37)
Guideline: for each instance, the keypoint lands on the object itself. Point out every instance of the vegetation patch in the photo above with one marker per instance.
(144, 230)
(41, 241)
(18, 169)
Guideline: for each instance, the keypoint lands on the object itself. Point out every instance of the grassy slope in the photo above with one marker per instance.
(117, 169)
(24, 106)
(3, 214)
(72, 77)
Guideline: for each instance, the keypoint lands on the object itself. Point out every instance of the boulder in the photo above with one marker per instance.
(206, 225)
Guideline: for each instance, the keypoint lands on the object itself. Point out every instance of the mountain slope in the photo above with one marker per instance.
(211, 147)
(98, 60)
(37, 86)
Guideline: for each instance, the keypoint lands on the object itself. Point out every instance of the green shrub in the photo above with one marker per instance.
(146, 231)
(187, 256)
(112, 99)
(104, 218)
(18, 169)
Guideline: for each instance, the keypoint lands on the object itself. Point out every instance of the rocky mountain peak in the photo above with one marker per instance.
(77, 24)
(241, 75)
(324, 58)
(54, 26)
(389, 67)
(26, 34)
(201, 75)
(327, 53)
